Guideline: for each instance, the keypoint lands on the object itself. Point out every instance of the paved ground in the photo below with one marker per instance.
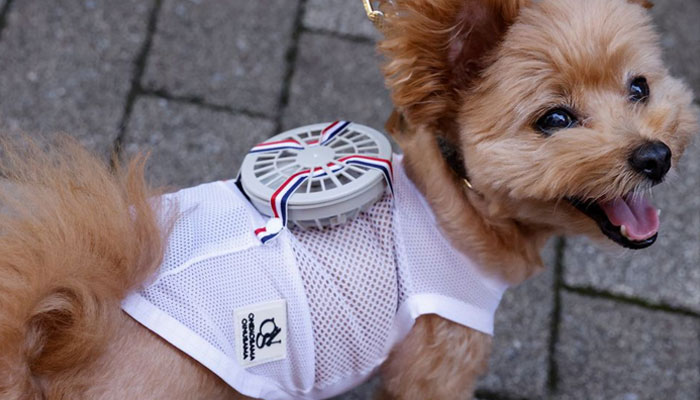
(200, 81)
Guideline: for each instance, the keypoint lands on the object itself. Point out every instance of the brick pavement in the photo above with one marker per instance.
(199, 81)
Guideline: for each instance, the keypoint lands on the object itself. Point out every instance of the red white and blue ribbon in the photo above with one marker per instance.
(332, 131)
(289, 144)
(381, 164)
(280, 198)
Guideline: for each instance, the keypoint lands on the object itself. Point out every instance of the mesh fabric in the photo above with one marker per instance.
(352, 291)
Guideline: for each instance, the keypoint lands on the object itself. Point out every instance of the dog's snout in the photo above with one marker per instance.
(652, 159)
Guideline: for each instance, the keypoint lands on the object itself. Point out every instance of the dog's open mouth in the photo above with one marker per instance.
(630, 221)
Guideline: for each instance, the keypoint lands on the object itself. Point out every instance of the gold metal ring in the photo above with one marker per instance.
(467, 183)
(374, 15)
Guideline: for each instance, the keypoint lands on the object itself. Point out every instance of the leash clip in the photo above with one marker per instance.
(372, 9)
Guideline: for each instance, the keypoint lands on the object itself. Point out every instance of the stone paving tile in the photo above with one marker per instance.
(190, 144)
(520, 359)
(668, 271)
(677, 21)
(341, 16)
(613, 351)
(336, 79)
(365, 392)
(226, 52)
(67, 67)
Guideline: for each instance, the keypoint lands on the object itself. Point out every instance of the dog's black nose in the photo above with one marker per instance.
(653, 159)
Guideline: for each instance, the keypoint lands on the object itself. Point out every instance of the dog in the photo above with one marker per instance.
(518, 120)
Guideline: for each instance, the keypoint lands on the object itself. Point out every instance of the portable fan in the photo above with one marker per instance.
(337, 157)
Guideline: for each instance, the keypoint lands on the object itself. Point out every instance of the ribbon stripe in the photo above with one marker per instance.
(262, 234)
(289, 144)
(384, 166)
(280, 198)
(331, 131)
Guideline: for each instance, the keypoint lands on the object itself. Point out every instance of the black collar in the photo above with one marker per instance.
(453, 157)
(450, 152)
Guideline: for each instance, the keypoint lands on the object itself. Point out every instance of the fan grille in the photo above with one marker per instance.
(272, 169)
(326, 200)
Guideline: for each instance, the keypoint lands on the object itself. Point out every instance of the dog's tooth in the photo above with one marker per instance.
(623, 230)
(658, 212)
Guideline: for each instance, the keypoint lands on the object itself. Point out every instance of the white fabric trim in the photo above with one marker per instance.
(193, 345)
(446, 307)
(450, 309)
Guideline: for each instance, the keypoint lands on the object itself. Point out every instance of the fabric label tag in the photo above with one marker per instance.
(261, 335)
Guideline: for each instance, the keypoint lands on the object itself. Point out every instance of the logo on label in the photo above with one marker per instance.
(262, 336)
(266, 336)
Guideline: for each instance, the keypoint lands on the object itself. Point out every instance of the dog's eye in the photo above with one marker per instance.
(554, 120)
(639, 90)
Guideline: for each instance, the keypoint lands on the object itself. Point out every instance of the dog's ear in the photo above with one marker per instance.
(643, 3)
(435, 48)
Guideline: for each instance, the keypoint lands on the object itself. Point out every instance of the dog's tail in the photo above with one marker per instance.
(75, 238)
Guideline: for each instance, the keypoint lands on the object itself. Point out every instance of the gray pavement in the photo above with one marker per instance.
(336, 78)
(191, 144)
(197, 82)
(677, 22)
(226, 53)
(67, 67)
(626, 353)
(338, 16)
(519, 365)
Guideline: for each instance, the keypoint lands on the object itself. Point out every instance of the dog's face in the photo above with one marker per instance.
(572, 116)
(577, 117)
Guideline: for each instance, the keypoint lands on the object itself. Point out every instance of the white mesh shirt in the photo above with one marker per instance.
(351, 292)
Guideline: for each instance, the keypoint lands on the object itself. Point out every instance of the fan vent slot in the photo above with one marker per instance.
(287, 153)
(355, 173)
(261, 172)
(261, 165)
(344, 179)
(315, 186)
(328, 182)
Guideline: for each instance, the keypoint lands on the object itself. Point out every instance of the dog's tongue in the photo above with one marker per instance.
(640, 219)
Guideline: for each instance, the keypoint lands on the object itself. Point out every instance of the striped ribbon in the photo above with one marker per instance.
(289, 144)
(331, 131)
(381, 164)
(280, 198)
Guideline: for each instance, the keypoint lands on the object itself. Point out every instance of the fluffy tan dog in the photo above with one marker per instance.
(560, 113)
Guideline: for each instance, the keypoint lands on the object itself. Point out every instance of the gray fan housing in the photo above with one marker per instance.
(323, 201)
